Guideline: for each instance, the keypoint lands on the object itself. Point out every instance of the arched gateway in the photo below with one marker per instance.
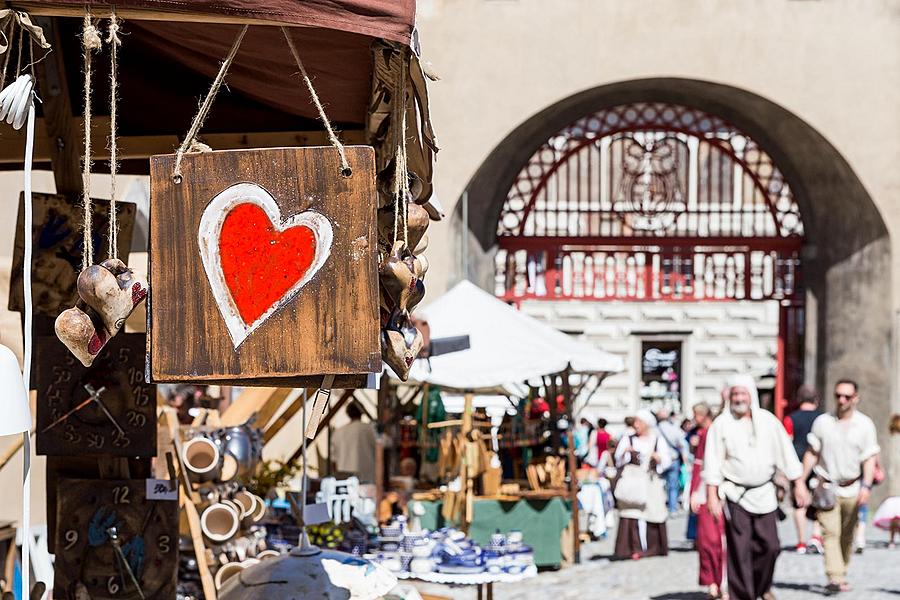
(676, 190)
(651, 201)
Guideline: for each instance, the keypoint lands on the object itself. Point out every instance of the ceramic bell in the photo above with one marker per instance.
(397, 275)
(108, 293)
(401, 343)
(417, 223)
(385, 184)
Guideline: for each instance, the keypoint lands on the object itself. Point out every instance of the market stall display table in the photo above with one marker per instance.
(541, 521)
(484, 581)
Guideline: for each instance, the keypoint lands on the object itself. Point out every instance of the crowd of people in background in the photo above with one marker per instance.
(733, 468)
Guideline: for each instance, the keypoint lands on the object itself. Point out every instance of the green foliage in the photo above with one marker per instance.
(273, 474)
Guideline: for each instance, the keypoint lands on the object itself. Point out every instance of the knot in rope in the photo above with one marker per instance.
(198, 146)
(91, 38)
(113, 37)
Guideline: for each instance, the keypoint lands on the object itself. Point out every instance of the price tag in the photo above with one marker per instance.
(313, 514)
(162, 489)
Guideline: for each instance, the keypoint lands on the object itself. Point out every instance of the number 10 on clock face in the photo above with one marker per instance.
(114, 543)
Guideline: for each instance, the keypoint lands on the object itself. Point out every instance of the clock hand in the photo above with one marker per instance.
(67, 415)
(114, 538)
(95, 396)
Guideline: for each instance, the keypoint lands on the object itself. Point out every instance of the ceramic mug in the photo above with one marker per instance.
(201, 458)
(219, 522)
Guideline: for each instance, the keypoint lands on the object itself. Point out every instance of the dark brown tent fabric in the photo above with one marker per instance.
(339, 63)
(389, 19)
(166, 64)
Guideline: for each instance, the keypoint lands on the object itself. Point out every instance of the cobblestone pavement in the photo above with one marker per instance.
(874, 575)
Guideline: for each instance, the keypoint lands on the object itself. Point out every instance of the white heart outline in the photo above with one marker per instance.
(208, 239)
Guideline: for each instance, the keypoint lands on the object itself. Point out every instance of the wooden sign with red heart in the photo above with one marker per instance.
(263, 268)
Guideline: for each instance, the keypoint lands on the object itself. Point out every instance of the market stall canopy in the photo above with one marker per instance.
(507, 346)
(172, 51)
(388, 19)
(494, 405)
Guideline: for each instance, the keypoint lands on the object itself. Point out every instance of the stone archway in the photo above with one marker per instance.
(846, 258)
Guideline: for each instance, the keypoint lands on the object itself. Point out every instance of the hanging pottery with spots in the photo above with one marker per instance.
(263, 266)
(109, 293)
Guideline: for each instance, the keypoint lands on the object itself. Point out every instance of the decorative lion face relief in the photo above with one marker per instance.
(256, 261)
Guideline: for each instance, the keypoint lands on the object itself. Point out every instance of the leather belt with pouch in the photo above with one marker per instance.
(824, 495)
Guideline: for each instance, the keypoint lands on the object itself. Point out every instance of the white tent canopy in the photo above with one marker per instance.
(506, 345)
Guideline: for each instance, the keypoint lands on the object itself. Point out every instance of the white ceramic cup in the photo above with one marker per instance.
(201, 459)
(219, 522)
(227, 571)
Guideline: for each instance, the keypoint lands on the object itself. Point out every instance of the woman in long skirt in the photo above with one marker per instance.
(642, 531)
(709, 529)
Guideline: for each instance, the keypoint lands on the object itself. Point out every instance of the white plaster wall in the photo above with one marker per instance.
(718, 340)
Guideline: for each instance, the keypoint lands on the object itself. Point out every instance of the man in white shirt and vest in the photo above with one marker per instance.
(745, 447)
(843, 448)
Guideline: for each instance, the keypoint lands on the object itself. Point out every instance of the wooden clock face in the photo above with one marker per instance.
(146, 532)
(120, 420)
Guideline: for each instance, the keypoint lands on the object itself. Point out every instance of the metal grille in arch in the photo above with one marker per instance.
(649, 201)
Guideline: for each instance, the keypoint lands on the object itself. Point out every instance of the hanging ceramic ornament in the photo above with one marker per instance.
(15, 99)
(399, 280)
(401, 343)
(110, 291)
(417, 224)
(386, 184)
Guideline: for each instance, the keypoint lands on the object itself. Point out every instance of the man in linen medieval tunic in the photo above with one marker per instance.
(745, 447)
(842, 448)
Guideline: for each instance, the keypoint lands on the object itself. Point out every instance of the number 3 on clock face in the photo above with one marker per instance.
(103, 521)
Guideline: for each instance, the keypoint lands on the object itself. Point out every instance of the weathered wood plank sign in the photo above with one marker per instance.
(263, 268)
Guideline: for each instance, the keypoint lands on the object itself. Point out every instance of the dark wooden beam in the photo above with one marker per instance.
(278, 424)
(12, 142)
(61, 127)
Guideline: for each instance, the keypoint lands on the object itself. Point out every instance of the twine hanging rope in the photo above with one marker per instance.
(7, 38)
(90, 41)
(346, 171)
(19, 55)
(114, 43)
(207, 104)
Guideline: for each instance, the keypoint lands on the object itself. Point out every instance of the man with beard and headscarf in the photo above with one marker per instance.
(745, 447)
(642, 528)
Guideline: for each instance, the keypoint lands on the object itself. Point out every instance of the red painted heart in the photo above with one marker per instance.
(260, 263)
